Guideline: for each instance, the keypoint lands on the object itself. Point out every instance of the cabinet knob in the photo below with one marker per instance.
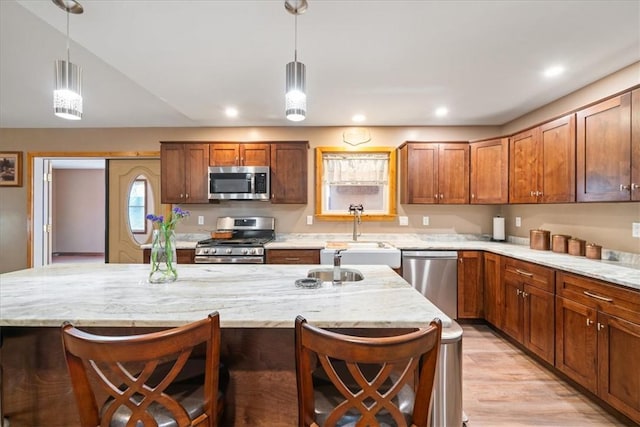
(442, 196)
(186, 196)
(532, 193)
(518, 292)
(624, 187)
(635, 186)
(473, 196)
(589, 322)
(600, 326)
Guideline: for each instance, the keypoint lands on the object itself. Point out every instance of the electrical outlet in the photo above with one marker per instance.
(403, 220)
(200, 220)
(635, 229)
(425, 220)
(309, 219)
(518, 221)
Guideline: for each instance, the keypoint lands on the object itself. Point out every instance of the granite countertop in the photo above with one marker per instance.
(247, 296)
(625, 272)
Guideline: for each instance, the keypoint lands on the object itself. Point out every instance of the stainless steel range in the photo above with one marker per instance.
(245, 246)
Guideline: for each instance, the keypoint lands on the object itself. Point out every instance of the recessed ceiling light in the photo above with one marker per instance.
(442, 111)
(554, 71)
(231, 112)
(358, 118)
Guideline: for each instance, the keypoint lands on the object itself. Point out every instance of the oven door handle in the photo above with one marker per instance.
(229, 260)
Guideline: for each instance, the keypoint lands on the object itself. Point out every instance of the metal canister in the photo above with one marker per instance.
(594, 251)
(539, 239)
(560, 243)
(576, 247)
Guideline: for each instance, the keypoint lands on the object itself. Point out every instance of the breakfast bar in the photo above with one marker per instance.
(257, 305)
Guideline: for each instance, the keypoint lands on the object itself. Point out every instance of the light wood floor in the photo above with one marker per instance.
(504, 387)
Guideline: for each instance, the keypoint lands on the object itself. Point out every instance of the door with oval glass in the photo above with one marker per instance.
(134, 191)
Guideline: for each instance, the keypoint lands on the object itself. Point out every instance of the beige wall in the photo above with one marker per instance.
(292, 218)
(79, 210)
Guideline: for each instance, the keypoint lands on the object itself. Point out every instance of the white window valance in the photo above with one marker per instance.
(356, 168)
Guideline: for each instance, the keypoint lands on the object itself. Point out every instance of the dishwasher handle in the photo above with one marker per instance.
(430, 254)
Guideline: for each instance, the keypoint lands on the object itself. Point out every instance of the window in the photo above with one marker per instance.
(137, 206)
(366, 176)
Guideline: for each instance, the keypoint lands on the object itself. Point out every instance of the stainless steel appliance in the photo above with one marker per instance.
(435, 275)
(245, 246)
(239, 183)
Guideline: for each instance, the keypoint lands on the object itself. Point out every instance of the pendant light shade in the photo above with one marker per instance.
(296, 73)
(296, 97)
(67, 90)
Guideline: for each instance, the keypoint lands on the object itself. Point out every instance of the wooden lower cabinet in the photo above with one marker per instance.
(293, 256)
(470, 286)
(598, 340)
(528, 300)
(184, 256)
(492, 283)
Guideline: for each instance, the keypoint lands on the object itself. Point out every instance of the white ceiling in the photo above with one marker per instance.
(180, 63)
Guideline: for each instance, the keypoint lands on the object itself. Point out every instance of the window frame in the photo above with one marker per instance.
(392, 201)
(145, 229)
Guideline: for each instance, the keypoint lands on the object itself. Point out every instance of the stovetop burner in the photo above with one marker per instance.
(250, 241)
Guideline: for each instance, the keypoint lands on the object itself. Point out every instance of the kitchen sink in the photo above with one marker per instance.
(362, 253)
(326, 274)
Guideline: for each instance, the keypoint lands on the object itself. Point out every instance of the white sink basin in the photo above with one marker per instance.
(362, 253)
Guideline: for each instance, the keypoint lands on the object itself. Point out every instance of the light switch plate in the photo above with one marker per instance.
(200, 220)
(425, 220)
(309, 219)
(635, 229)
(518, 221)
(403, 220)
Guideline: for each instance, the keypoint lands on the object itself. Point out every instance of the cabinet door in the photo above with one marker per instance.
(172, 179)
(603, 152)
(493, 289)
(539, 325)
(524, 167)
(196, 173)
(558, 140)
(619, 364)
(224, 154)
(635, 145)
(453, 173)
(289, 172)
(254, 154)
(470, 287)
(513, 318)
(576, 342)
(420, 179)
(490, 172)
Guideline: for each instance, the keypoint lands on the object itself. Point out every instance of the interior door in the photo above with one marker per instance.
(123, 244)
(42, 209)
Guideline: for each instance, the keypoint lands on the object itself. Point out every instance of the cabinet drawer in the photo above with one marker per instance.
(531, 274)
(605, 297)
(293, 256)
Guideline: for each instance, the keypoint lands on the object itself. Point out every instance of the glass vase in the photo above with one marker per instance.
(163, 257)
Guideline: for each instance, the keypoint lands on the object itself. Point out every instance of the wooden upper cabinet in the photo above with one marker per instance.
(234, 154)
(635, 145)
(558, 143)
(542, 163)
(603, 167)
(524, 173)
(183, 173)
(490, 171)
(434, 173)
(289, 172)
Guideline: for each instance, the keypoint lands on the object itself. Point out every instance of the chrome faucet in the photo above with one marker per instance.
(337, 259)
(356, 210)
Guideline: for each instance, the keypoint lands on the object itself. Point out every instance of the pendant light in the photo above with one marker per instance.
(67, 92)
(295, 96)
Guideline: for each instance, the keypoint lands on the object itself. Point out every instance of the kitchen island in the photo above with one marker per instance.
(257, 305)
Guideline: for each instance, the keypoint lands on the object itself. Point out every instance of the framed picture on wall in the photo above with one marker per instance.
(10, 168)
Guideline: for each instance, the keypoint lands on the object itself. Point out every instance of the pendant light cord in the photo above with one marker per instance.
(295, 37)
(68, 56)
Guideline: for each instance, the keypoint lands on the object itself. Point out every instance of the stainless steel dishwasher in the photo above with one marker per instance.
(435, 275)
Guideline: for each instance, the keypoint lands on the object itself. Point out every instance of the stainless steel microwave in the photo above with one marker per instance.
(239, 183)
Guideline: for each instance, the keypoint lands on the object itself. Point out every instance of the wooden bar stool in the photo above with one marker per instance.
(363, 381)
(150, 379)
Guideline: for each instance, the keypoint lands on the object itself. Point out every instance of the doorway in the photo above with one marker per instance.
(76, 244)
